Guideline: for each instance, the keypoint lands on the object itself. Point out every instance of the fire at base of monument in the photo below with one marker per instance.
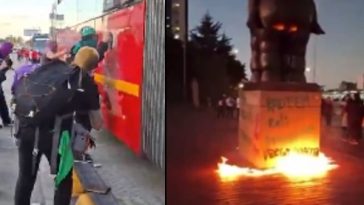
(279, 132)
(296, 166)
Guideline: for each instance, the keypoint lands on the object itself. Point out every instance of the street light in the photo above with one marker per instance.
(308, 69)
(235, 51)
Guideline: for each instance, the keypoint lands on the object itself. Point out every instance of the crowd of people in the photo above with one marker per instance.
(228, 107)
(351, 114)
(350, 111)
(35, 138)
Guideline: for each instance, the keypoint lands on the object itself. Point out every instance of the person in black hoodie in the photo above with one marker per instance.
(355, 110)
(89, 39)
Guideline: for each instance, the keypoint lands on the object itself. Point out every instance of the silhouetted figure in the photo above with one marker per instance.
(355, 110)
(344, 114)
(280, 31)
(327, 111)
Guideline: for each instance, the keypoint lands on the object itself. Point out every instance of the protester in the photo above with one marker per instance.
(221, 107)
(5, 65)
(344, 114)
(355, 111)
(89, 38)
(23, 71)
(35, 141)
(52, 52)
(237, 104)
(328, 110)
(230, 106)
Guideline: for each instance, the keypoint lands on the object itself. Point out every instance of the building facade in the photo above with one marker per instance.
(176, 19)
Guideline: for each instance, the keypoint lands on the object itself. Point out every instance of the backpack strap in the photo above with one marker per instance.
(55, 142)
(35, 151)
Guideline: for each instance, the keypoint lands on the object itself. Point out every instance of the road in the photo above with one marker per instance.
(197, 140)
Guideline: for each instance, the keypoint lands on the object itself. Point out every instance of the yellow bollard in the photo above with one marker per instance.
(84, 199)
(77, 188)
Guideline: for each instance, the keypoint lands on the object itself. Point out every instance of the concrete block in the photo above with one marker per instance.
(276, 119)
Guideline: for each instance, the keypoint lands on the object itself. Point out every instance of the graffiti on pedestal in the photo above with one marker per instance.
(281, 152)
(292, 101)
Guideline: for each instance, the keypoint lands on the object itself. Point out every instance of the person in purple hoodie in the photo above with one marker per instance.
(23, 71)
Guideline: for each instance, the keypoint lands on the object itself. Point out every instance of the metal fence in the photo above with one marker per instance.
(153, 94)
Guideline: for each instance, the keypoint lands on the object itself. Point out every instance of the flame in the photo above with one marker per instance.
(293, 29)
(294, 166)
(279, 26)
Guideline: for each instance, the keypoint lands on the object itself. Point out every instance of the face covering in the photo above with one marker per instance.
(90, 41)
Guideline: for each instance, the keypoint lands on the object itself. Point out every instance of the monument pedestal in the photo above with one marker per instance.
(278, 118)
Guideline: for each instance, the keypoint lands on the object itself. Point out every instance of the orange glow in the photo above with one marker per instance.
(294, 166)
(279, 26)
(293, 29)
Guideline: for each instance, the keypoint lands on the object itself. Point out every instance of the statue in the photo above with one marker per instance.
(280, 31)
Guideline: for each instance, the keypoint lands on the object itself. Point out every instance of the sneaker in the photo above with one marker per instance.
(88, 158)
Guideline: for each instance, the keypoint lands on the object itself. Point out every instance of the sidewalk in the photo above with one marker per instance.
(43, 189)
(133, 181)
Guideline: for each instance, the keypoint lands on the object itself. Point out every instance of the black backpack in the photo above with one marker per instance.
(43, 94)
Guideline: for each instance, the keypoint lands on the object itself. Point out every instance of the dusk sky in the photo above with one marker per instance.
(340, 53)
(16, 15)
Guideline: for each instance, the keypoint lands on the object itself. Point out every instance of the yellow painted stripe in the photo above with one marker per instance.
(77, 188)
(84, 199)
(119, 85)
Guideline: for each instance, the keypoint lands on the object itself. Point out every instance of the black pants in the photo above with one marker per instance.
(26, 178)
(328, 119)
(4, 111)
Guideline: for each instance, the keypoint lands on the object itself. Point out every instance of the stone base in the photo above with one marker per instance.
(276, 118)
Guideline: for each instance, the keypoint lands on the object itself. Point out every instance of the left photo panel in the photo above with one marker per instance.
(82, 102)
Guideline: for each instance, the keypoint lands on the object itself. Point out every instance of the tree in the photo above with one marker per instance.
(206, 35)
(211, 59)
(224, 46)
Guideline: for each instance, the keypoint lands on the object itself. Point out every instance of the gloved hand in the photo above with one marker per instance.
(92, 142)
